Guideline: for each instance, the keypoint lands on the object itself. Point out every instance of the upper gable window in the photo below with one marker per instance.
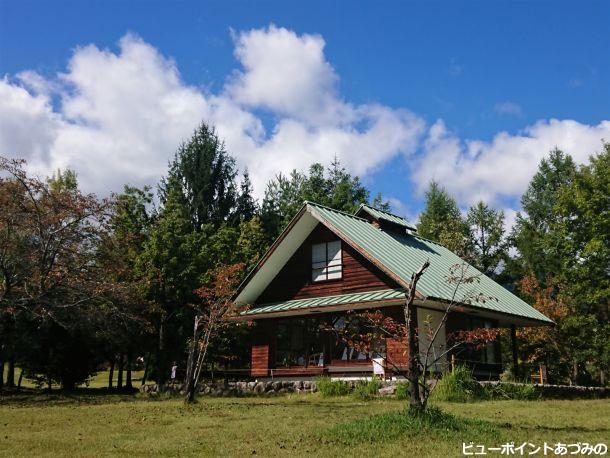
(326, 262)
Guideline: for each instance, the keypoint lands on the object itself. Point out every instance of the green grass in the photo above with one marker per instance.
(99, 380)
(328, 387)
(85, 424)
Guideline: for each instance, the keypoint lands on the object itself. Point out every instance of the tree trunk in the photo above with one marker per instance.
(128, 383)
(415, 402)
(146, 369)
(1, 374)
(161, 357)
(513, 342)
(410, 312)
(10, 375)
(575, 372)
(119, 382)
(20, 378)
(191, 369)
(111, 374)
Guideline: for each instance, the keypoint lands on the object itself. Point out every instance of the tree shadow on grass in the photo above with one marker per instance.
(29, 397)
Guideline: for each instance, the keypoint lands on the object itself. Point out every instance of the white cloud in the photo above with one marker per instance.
(117, 117)
(502, 168)
(121, 115)
(508, 108)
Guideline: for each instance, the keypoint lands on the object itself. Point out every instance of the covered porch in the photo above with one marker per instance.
(295, 339)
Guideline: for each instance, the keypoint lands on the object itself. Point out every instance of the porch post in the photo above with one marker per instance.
(513, 341)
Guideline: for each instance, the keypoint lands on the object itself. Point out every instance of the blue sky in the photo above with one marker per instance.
(464, 71)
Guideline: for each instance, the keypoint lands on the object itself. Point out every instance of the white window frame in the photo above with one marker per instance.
(327, 269)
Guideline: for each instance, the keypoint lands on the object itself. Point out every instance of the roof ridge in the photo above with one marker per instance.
(384, 211)
(315, 204)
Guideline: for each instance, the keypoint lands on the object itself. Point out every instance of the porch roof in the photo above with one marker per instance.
(386, 296)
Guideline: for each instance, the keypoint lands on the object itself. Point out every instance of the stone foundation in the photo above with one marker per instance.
(388, 388)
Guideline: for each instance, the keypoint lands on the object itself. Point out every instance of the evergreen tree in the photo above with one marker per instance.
(380, 204)
(487, 236)
(205, 174)
(532, 226)
(171, 265)
(285, 195)
(441, 221)
(246, 207)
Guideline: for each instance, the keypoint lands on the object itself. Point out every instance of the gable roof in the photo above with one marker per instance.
(398, 255)
(384, 216)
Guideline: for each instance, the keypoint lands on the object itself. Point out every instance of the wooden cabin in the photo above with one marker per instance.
(328, 262)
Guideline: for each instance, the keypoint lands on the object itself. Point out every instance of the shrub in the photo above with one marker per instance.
(458, 386)
(518, 391)
(402, 391)
(328, 387)
(368, 389)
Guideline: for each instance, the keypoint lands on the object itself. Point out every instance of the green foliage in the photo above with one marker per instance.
(333, 187)
(531, 231)
(328, 387)
(457, 386)
(384, 427)
(246, 207)
(63, 181)
(204, 173)
(402, 391)
(487, 235)
(460, 386)
(367, 390)
(441, 221)
(564, 240)
(516, 391)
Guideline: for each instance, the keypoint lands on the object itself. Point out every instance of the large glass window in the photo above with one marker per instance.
(326, 262)
(299, 343)
(341, 351)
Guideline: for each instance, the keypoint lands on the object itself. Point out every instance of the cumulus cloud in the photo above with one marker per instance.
(120, 115)
(500, 169)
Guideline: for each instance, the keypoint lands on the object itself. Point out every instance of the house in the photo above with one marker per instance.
(327, 262)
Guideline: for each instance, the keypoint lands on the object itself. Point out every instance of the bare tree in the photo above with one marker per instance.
(213, 315)
(373, 326)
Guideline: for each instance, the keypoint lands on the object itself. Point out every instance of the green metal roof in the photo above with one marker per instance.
(400, 255)
(383, 215)
(314, 302)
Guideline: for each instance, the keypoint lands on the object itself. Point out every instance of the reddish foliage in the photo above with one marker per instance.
(48, 244)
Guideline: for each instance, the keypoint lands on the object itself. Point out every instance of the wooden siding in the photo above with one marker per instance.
(396, 353)
(294, 280)
(263, 348)
(260, 360)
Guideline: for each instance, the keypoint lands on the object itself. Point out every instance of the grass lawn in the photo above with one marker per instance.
(99, 380)
(87, 424)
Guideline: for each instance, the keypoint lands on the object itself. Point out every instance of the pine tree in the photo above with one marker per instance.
(246, 207)
(441, 221)
(205, 174)
(532, 227)
(487, 235)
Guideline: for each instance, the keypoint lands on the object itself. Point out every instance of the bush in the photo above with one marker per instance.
(458, 386)
(328, 387)
(518, 391)
(369, 389)
(402, 391)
